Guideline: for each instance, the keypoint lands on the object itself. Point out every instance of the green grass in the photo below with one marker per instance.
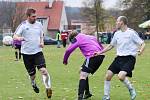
(15, 84)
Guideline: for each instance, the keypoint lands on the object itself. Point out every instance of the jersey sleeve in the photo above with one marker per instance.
(41, 29)
(19, 30)
(136, 38)
(69, 50)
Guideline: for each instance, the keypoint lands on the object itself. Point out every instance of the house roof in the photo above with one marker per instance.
(53, 13)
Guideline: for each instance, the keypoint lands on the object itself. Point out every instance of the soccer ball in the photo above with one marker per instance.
(7, 40)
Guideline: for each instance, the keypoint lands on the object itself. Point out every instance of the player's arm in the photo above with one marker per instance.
(107, 48)
(140, 42)
(41, 36)
(141, 49)
(18, 32)
(42, 40)
(110, 46)
(69, 50)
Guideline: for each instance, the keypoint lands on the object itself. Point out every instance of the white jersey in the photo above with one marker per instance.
(32, 34)
(126, 42)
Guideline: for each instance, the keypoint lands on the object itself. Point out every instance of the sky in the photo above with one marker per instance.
(78, 3)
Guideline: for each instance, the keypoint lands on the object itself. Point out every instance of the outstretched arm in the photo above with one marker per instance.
(69, 50)
(41, 36)
(42, 40)
(141, 49)
(107, 48)
(140, 42)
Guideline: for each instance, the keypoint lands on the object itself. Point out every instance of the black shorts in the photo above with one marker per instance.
(17, 46)
(33, 61)
(92, 64)
(123, 63)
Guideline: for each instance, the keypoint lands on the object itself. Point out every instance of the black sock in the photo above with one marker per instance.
(87, 86)
(16, 54)
(82, 85)
(19, 55)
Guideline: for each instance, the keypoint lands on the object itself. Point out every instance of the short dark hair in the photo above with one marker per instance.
(30, 11)
(124, 19)
(72, 35)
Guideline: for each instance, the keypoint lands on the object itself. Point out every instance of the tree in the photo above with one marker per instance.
(146, 6)
(11, 14)
(19, 15)
(94, 13)
(141, 10)
(7, 11)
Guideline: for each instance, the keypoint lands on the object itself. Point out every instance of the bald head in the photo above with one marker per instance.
(123, 19)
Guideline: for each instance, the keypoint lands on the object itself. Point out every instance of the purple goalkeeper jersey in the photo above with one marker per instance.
(88, 45)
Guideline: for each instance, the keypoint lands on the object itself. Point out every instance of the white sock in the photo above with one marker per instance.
(32, 82)
(46, 81)
(127, 83)
(107, 88)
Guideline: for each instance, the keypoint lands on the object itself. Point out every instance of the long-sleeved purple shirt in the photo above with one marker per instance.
(88, 45)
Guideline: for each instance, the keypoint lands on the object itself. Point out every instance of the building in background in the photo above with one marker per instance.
(77, 22)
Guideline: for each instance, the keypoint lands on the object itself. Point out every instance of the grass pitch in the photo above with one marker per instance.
(15, 83)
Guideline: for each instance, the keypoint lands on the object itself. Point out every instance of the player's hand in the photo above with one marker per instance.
(42, 45)
(65, 63)
(21, 38)
(96, 54)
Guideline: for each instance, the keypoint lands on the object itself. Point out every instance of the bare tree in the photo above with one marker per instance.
(7, 11)
(137, 11)
(19, 15)
(11, 14)
(94, 13)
